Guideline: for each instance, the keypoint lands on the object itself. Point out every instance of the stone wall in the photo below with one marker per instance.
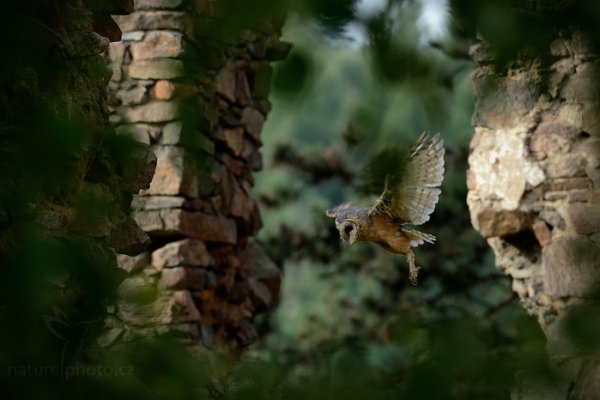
(534, 181)
(534, 178)
(53, 94)
(67, 178)
(193, 85)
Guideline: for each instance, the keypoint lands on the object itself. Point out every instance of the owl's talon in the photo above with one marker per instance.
(413, 275)
(413, 269)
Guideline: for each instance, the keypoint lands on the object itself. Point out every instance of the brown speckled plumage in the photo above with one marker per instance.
(409, 201)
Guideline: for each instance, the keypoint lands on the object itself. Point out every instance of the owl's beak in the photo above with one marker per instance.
(344, 237)
(348, 232)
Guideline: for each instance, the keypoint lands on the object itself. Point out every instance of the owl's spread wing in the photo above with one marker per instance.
(414, 196)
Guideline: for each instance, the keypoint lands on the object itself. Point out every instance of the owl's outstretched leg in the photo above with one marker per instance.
(413, 269)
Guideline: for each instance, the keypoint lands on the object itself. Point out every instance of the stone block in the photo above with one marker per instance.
(571, 113)
(564, 184)
(138, 168)
(502, 102)
(236, 166)
(261, 265)
(492, 223)
(585, 196)
(185, 278)
(471, 180)
(228, 120)
(204, 143)
(172, 133)
(559, 48)
(196, 225)
(552, 136)
(241, 203)
(206, 186)
(482, 53)
(155, 111)
(117, 75)
(242, 89)
(554, 196)
(590, 118)
(577, 88)
(163, 90)
(174, 173)
(235, 140)
(263, 105)
(116, 52)
(151, 20)
(585, 218)
(133, 96)
(158, 44)
(157, 202)
(571, 267)
(225, 82)
(133, 264)
(265, 275)
(57, 218)
(171, 307)
(552, 218)
(187, 252)
(252, 156)
(94, 224)
(261, 292)
(542, 232)
(127, 237)
(137, 132)
(151, 222)
(156, 4)
(133, 36)
(209, 228)
(156, 69)
(137, 288)
(565, 166)
(253, 121)
(255, 221)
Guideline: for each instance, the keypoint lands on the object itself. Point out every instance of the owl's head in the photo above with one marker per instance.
(348, 231)
(347, 220)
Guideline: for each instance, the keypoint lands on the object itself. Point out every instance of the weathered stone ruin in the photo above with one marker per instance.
(196, 94)
(66, 183)
(534, 183)
(54, 95)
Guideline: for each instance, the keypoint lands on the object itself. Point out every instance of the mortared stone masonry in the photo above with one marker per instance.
(197, 96)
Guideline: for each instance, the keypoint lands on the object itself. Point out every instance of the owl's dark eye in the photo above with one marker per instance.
(348, 228)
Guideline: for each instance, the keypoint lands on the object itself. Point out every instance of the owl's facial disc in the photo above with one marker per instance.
(348, 231)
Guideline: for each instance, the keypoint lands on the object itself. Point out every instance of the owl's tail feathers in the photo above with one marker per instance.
(416, 238)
